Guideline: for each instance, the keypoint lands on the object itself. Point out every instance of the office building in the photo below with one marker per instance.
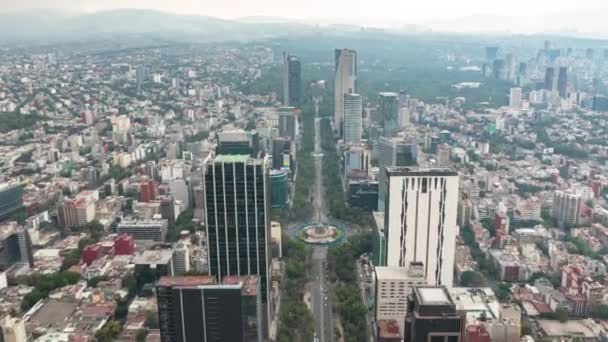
(12, 329)
(238, 141)
(562, 82)
(151, 265)
(353, 118)
(363, 194)
(288, 123)
(444, 155)
(279, 188)
(11, 199)
(15, 246)
(345, 78)
(515, 98)
(392, 287)
(420, 220)
(292, 80)
(389, 112)
(198, 308)
(282, 154)
(237, 207)
(141, 74)
(144, 230)
(393, 152)
(491, 53)
(433, 316)
(498, 69)
(549, 79)
(566, 208)
(180, 191)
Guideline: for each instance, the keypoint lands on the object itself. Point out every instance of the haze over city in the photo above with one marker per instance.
(517, 16)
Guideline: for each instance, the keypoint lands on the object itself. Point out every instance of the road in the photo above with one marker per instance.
(321, 295)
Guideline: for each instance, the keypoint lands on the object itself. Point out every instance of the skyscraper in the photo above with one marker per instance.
(515, 98)
(491, 53)
(389, 112)
(353, 118)
(288, 123)
(562, 81)
(292, 80)
(237, 205)
(549, 77)
(344, 82)
(420, 220)
(199, 308)
(393, 152)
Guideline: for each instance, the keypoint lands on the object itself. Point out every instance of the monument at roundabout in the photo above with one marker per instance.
(320, 233)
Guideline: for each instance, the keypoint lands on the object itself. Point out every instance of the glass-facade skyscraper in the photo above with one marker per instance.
(237, 207)
(389, 112)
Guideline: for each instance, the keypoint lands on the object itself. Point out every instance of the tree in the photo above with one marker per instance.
(141, 335)
(503, 291)
(472, 279)
(108, 332)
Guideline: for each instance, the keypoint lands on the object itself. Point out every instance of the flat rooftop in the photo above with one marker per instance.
(232, 158)
(386, 272)
(154, 257)
(433, 296)
(186, 281)
(249, 283)
(420, 171)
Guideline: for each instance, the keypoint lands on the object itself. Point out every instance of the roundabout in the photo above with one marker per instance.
(320, 233)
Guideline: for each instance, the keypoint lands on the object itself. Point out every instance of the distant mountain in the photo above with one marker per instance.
(58, 26)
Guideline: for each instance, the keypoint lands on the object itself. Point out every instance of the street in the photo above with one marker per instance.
(321, 296)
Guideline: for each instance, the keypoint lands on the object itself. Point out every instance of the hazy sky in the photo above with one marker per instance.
(377, 12)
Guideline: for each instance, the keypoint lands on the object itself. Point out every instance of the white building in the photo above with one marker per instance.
(515, 98)
(566, 208)
(13, 330)
(353, 118)
(420, 216)
(344, 81)
(392, 286)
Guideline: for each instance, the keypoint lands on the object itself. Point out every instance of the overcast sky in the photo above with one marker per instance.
(371, 12)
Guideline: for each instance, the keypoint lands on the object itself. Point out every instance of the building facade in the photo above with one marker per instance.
(237, 206)
(292, 80)
(389, 112)
(393, 152)
(198, 308)
(345, 79)
(420, 220)
(353, 118)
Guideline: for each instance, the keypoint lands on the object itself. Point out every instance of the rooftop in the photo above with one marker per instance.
(388, 329)
(433, 296)
(154, 257)
(186, 281)
(250, 284)
(232, 158)
(419, 171)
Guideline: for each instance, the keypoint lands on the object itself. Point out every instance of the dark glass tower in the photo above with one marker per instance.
(549, 76)
(237, 206)
(197, 308)
(562, 81)
(292, 80)
(389, 111)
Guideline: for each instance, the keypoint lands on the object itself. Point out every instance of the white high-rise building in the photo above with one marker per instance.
(344, 81)
(392, 287)
(515, 98)
(12, 329)
(420, 220)
(566, 207)
(353, 118)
